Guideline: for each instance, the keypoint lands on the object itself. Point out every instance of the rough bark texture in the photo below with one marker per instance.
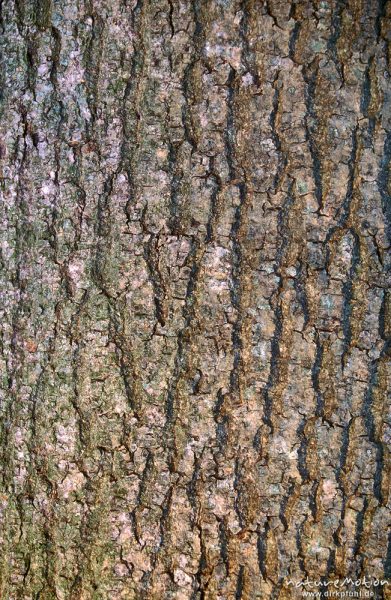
(195, 318)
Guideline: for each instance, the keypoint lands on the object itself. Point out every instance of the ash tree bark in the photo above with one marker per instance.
(195, 236)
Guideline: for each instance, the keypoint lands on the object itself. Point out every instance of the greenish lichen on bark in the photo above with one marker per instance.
(195, 255)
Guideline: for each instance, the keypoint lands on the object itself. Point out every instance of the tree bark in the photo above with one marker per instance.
(195, 236)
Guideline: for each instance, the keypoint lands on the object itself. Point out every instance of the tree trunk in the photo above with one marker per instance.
(195, 227)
